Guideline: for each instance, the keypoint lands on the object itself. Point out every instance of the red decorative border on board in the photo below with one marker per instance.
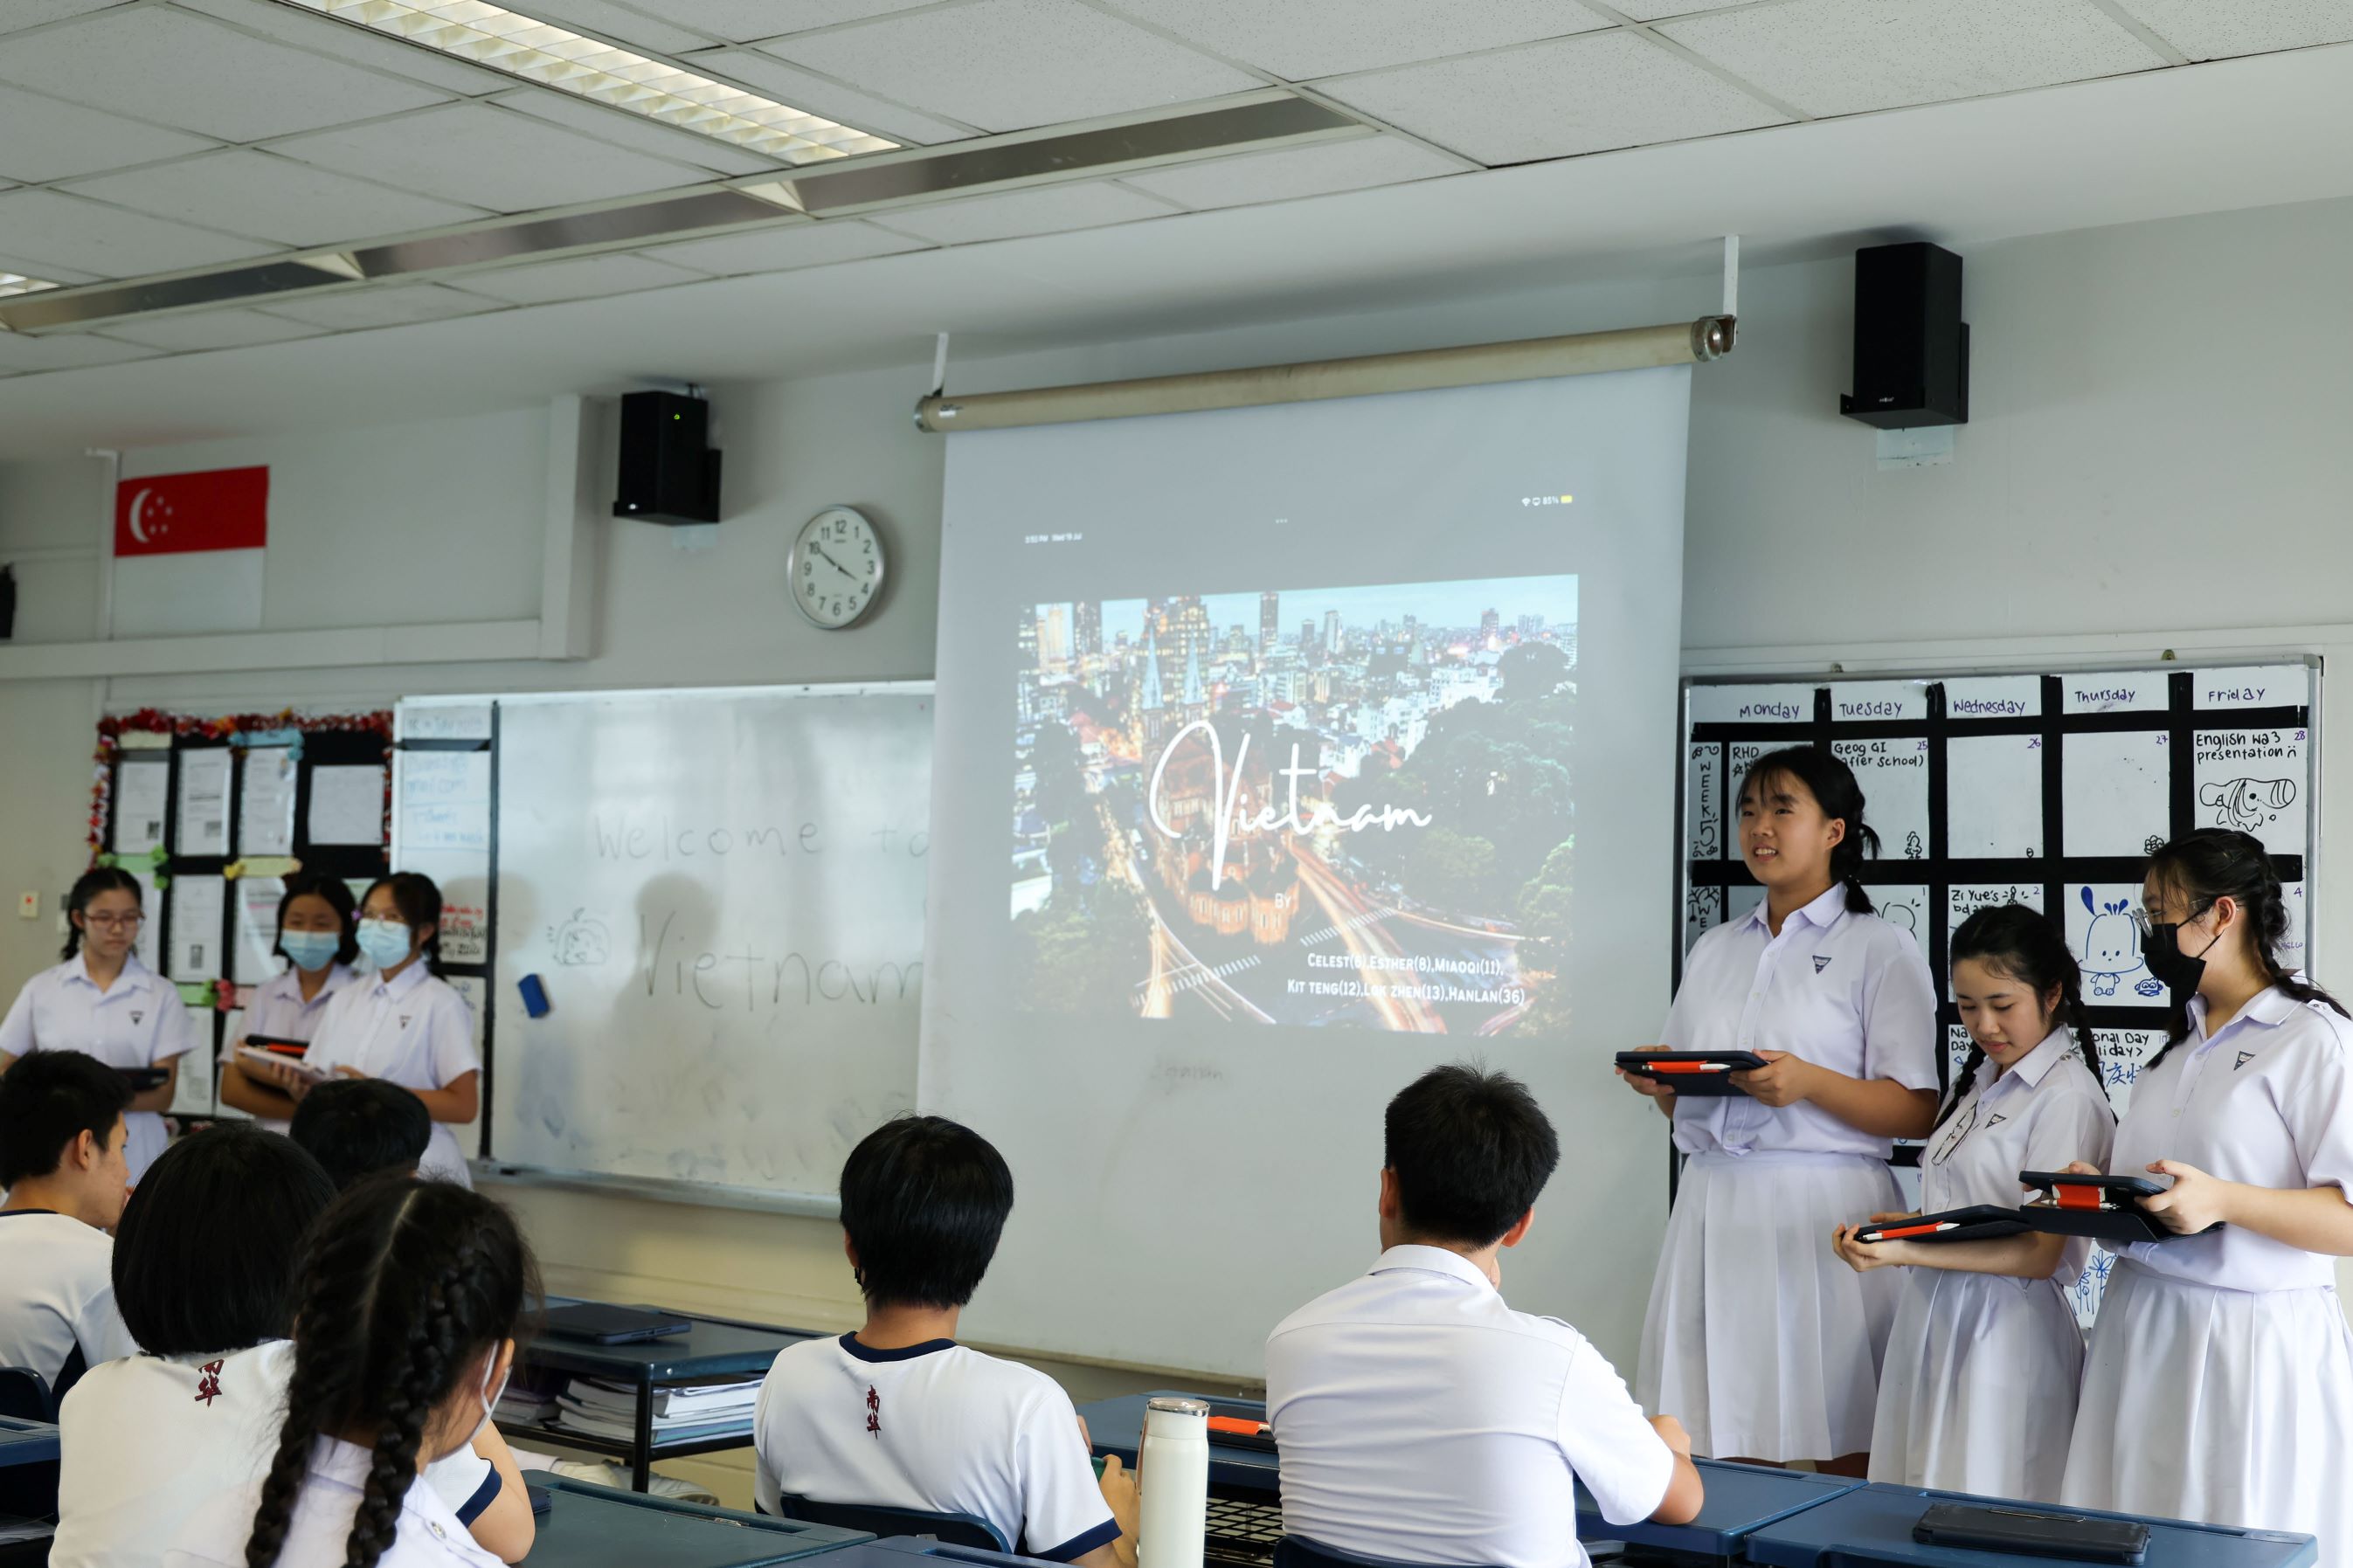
(156, 722)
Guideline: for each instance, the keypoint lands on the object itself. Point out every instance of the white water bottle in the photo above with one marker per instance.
(1173, 1472)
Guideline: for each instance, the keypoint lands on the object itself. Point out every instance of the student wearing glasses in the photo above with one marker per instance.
(103, 1001)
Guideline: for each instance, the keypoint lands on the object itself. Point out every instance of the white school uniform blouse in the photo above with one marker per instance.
(1422, 1420)
(414, 1030)
(276, 1008)
(2046, 1110)
(936, 1427)
(2264, 1102)
(1844, 991)
(57, 1296)
(148, 1441)
(430, 1534)
(137, 1021)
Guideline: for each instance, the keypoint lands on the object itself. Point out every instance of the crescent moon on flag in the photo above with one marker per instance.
(137, 532)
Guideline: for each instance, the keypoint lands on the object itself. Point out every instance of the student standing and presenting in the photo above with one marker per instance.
(318, 938)
(1758, 1336)
(101, 1000)
(2219, 1386)
(1423, 1420)
(1977, 1391)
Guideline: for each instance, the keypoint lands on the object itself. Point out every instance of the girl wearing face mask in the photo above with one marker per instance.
(317, 936)
(103, 1002)
(2219, 1386)
(406, 1312)
(1757, 1337)
(1977, 1391)
(402, 1021)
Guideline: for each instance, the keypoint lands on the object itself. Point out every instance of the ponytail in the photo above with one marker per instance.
(87, 885)
(2212, 863)
(2018, 941)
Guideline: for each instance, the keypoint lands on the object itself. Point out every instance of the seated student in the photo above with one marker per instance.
(897, 1413)
(204, 1271)
(405, 1308)
(1421, 1419)
(62, 1166)
(361, 1127)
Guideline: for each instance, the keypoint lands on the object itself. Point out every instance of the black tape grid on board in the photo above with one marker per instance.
(1939, 871)
(487, 970)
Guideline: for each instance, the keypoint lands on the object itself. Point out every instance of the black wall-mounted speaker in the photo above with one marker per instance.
(668, 473)
(1911, 346)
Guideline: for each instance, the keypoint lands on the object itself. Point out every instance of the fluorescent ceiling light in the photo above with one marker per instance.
(17, 283)
(589, 68)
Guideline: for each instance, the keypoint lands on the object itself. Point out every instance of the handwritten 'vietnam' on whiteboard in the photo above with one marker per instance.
(1993, 797)
(2116, 798)
(2254, 780)
(1893, 776)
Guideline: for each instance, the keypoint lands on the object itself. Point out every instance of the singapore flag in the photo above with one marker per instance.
(188, 551)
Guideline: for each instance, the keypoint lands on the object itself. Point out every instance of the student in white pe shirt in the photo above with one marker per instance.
(204, 1271)
(318, 935)
(406, 1309)
(2219, 1385)
(899, 1414)
(103, 1002)
(61, 1138)
(401, 1021)
(1422, 1420)
(1758, 1336)
(1977, 1391)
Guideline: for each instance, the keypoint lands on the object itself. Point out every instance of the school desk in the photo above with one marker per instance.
(714, 1350)
(920, 1551)
(598, 1527)
(1247, 1475)
(1870, 1527)
(29, 1478)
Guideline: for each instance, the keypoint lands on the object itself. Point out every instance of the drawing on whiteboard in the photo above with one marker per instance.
(2247, 803)
(1913, 848)
(581, 942)
(1901, 914)
(2112, 947)
(2152, 844)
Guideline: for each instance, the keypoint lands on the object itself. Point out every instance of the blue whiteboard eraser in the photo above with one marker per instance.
(535, 995)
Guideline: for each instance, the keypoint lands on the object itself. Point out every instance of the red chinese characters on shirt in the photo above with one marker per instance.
(874, 1412)
(209, 1383)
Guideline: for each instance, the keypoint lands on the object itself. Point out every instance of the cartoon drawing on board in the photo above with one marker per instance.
(2112, 947)
(581, 940)
(1913, 848)
(2152, 844)
(2247, 803)
(1901, 914)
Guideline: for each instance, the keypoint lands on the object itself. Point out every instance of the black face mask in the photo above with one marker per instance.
(2162, 953)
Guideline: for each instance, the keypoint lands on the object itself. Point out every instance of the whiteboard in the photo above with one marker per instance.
(722, 893)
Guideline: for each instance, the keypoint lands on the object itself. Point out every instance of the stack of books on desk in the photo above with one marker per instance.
(601, 1409)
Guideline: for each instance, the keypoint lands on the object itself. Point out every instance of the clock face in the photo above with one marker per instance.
(837, 567)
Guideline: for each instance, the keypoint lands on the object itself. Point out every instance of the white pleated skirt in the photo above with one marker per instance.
(1977, 1393)
(1760, 1339)
(2224, 1406)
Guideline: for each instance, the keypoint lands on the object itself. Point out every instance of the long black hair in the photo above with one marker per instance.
(203, 1259)
(405, 1288)
(2021, 944)
(87, 885)
(418, 900)
(1831, 783)
(337, 894)
(2210, 863)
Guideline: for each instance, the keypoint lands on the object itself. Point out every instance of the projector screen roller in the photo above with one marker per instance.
(1269, 740)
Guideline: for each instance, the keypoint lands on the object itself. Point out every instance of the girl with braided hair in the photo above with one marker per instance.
(408, 1303)
(2219, 1385)
(1977, 1391)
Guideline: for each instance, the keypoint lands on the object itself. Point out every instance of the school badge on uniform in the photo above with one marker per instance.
(2244, 1058)
(1821, 962)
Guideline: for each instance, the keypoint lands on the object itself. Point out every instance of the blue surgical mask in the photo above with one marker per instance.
(385, 943)
(309, 949)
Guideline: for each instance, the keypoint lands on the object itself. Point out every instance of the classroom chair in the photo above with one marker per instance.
(882, 1519)
(1298, 1551)
(25, 1394)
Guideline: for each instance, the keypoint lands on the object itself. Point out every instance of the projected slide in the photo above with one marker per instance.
(1303, 804)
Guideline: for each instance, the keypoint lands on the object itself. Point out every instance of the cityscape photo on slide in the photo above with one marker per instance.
(1346, 805)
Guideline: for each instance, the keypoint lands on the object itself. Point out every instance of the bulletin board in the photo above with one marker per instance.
(2048, 789)
(211, 812)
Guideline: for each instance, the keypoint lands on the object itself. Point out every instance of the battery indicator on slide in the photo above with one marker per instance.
(1544, 501)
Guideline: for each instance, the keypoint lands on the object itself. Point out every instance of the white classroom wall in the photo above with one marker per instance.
(2157, 458)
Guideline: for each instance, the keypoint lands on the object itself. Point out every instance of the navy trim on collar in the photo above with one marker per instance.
(5, 1212)
(904, 1353)
(484, 1496)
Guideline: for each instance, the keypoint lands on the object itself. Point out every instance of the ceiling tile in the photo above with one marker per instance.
(2216, 29)
(806, 90)
(620, 24)
(1556, 99)
(67, 350)
(1849, 56)
(1288, 173)
(1050, 209)
(47, 272)
(623, 129)
(18, 15)
(1658, 10)
(490, 157)
(359, 45)
(47, 139)
(271, 198)
(230, 329)
(583, 277)
(166, 64)
(737, 20)
(1007, 65)
(397, 305)
(106, 240)
(787, 247)
(1301, 39)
